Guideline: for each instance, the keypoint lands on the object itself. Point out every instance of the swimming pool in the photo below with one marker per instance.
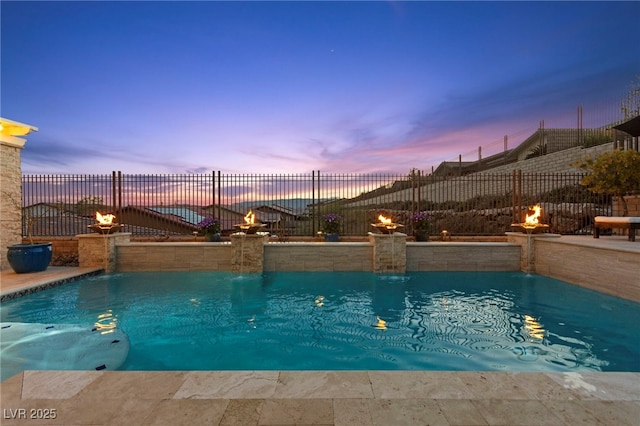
(479, 321)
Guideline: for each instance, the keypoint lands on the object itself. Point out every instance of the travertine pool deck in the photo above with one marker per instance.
(321, 398)
(312, 397)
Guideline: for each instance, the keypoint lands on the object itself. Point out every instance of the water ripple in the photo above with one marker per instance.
(350, 321)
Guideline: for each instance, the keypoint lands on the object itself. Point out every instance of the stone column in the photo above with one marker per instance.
(389, 252)
(527, 248)
(99, 251)
(247, 252)
(11, 184)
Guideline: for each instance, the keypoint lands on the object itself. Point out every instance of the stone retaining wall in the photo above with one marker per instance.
(459, 189)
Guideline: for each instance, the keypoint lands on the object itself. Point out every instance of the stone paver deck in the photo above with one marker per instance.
(320, 398)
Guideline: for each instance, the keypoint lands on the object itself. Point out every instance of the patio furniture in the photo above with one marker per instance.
(630, 223)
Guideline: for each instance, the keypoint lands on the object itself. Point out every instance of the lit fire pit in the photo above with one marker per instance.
(385, 225)
(250, 226)
(531, 222)
(105, 225)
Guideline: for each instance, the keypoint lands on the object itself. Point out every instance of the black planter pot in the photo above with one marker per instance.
(332, 238)
(421, 235)
(212, 238)
(25, 258)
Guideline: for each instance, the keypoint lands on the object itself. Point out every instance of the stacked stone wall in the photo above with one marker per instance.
(10, 201)
(633, 206)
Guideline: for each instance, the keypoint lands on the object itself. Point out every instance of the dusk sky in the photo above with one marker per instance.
(289, 87)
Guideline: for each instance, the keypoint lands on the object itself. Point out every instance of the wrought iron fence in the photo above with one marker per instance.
(294, 204)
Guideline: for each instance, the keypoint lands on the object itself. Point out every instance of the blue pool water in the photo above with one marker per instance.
(500, 321)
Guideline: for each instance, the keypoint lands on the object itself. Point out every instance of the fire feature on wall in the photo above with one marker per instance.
(385, 225)
(250, 226)
(105, 225)
(531, 222)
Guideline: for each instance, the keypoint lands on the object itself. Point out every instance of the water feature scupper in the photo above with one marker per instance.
(530, 224)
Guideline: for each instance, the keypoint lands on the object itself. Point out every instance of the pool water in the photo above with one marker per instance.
(500, 321)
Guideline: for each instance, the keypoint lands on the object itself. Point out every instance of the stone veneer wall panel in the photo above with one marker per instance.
(174, 257)
(10, 214)
(389, 252)
(318, 257)
(100, 251)
(608, 271)
(463, 257)
(633, 205)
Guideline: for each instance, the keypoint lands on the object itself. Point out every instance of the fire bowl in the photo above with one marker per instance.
(386, 228)
(250, 228)
(530, 227)
(105, 229)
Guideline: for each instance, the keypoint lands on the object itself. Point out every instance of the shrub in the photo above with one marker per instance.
(614, 173)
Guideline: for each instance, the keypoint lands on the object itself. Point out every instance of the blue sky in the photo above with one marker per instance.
(288, 87)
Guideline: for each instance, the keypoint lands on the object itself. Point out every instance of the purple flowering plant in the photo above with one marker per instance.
(209, 225)
(331, 224)
(421, 221)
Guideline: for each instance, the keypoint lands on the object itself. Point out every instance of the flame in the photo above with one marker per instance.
(384, 220)
(106, 323)
(106, 219)
(250, 218)
(381, 324)
(533, 218)
(533, 328)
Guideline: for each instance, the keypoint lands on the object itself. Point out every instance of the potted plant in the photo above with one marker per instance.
(210, 228)
(331, 223)
(421, 226)
(32, 257)
(615, 173)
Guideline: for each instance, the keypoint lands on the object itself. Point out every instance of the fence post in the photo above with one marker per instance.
(413, 191)
(119, 207)
(219, 195)
(516, 183)
(314, 206)
(113, 193)
(216, 202)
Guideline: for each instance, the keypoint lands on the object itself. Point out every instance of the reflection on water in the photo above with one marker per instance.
(106, 323)
(429, 321)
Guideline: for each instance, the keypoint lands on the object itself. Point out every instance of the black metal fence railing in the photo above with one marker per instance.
(294, 204)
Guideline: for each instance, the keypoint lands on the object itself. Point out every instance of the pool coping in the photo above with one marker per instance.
(14, 285)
